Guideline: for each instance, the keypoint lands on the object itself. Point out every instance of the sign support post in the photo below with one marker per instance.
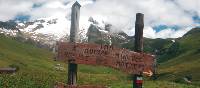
(72, 67)
(139, 25)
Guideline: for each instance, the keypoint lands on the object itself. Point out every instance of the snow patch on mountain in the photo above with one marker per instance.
(60, 29)
(8, 32)
(57, 28)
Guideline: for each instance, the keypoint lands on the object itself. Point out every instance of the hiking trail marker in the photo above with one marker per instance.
(134, 63)
(105, 55)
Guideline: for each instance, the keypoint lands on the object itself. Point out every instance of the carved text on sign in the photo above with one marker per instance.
(94, 54)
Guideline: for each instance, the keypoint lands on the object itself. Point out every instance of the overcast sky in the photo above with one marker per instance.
(163, 18)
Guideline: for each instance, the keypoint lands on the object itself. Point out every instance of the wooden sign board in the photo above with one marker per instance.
(105, 55)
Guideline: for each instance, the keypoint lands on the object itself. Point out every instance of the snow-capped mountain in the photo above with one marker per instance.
(45, 30)
(57, 28)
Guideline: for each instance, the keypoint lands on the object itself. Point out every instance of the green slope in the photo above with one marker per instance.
(23, 55)
(37, 70)
(186, 62)
(33, 63)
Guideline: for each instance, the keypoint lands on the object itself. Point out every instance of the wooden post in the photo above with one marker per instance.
(72, 67)
(139, 25)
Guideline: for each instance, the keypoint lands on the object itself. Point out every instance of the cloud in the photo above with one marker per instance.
(121, 14)
(49, 9)
(149, 32)
(156, 12)
(189, 5)
(10, 8)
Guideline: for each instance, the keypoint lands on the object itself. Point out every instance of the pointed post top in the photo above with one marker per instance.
(140, 18)
(77, 4)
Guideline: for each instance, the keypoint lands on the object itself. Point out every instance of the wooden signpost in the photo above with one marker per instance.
(139, 25)
(134, 63)
(105, 55)
(72, 67)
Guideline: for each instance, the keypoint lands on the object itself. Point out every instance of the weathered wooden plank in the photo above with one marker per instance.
(105, 55)
(7, 70)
